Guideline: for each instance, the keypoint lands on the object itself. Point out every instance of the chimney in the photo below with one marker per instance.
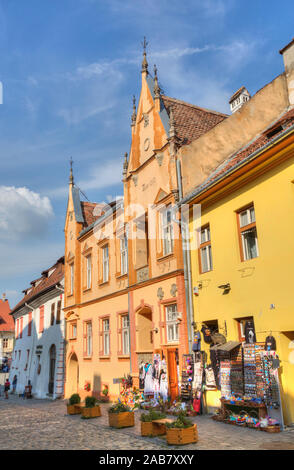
(288, 56)
(3, 297)
(239, 98)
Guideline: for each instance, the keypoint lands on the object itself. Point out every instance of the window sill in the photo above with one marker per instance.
(72, 339)
(165, 257)
(87, 358)
(87, 289)
(122, 276)
(104, 357)
(104, 283)
(123, 356)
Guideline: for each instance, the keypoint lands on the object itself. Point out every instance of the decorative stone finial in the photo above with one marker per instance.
(125, 166)
(144, 62)
(71, 178)
(134, 115)
(156, 86)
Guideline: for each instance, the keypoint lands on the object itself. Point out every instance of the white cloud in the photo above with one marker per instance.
(23, 213)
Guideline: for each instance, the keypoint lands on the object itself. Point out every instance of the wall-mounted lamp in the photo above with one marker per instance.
(155, 330)
(226, 288)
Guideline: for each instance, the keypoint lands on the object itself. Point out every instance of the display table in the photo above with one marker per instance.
(226, 406)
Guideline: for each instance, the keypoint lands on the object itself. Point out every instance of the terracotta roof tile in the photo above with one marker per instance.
(6, 321)
(55, 277)
(191, 121)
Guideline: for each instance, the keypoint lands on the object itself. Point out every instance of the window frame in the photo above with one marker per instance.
(105, 263)
(204, 247)
(170, 231)
(124, 329)
(245, 228)
(173, 323)
(123, 245)
(88, 271)
(105, 334)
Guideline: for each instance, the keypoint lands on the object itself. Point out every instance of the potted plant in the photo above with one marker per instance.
(91, 409)
(120, 416)
(147, 429)
(181, 431)
(105, 398)
(73, 405)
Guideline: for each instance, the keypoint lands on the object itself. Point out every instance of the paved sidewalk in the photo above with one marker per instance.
(43, 424)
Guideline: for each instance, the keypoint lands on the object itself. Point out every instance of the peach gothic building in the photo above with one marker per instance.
(125, 296)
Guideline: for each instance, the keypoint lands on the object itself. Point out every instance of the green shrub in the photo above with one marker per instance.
(75, 399)
(90, 402)
(152, 415)
(181, 422)
(119, 408)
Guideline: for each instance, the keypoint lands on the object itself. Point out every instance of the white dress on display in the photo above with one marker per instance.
(149, 385)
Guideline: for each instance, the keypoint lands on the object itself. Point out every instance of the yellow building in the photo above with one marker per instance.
(242, 253)
(125, 293)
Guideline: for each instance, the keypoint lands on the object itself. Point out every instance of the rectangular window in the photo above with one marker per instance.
(41, 319)
(89, 271)
(73, 331)
(247, 233)
(123, 255)
(52, 314)
(105, 260)
(21, 327)
(205, 258)
(172, 327)
(27, 361)
(241, 322)
(19, 354)
(5, 343)
(106, 337)
(72, 278)
(30, 324)
(125, 335)
(58, 313)
(167, 231)
(89, 338)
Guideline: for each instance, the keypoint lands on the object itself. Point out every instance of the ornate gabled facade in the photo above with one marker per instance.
(124, 279)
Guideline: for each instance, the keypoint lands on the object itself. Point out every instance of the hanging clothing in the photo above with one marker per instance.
(270, 343)
(197, 341)
(163, 388)
(250, 337)
(209, 378)
(149, 383)
(141, 376)
(206, 334)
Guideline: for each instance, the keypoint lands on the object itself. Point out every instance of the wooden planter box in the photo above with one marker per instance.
(146, 428)
(74, 409)
(121, 420)
(93, 412)
(183, 436)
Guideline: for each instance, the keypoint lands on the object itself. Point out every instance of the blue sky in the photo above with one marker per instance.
(69, 69)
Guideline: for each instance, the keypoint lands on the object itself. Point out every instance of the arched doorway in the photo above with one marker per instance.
(52, 362)
(144, 327)
(72, 375)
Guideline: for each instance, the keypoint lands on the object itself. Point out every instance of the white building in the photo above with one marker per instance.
(38, 353)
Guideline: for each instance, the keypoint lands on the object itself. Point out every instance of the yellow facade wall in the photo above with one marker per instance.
(260, 287)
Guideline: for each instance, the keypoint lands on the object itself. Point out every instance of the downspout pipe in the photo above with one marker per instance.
(186, 260)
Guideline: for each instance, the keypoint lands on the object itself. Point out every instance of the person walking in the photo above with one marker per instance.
(14, 382)
(6, 388)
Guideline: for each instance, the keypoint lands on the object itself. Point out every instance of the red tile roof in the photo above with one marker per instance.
(87, 211)
(46, 282)
(191, 121)
(269, 134)
(6, 321)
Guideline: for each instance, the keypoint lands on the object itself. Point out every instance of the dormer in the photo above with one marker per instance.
(239, 98)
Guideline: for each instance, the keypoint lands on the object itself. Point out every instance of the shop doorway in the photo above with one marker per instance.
(52, 362)
(73, 375)
(172, 364)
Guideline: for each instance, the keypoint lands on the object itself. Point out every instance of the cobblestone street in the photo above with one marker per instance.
(43, 424)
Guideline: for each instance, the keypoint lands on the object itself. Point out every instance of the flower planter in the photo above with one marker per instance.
(74, 409)
(121, 420)
(93, 412)
(146, 428)
(182, 436)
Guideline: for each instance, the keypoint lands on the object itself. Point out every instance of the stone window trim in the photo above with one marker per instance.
(101, 336)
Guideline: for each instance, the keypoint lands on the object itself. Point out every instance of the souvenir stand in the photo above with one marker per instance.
(249, 386)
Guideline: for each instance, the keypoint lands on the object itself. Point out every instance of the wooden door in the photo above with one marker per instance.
(172, 374)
